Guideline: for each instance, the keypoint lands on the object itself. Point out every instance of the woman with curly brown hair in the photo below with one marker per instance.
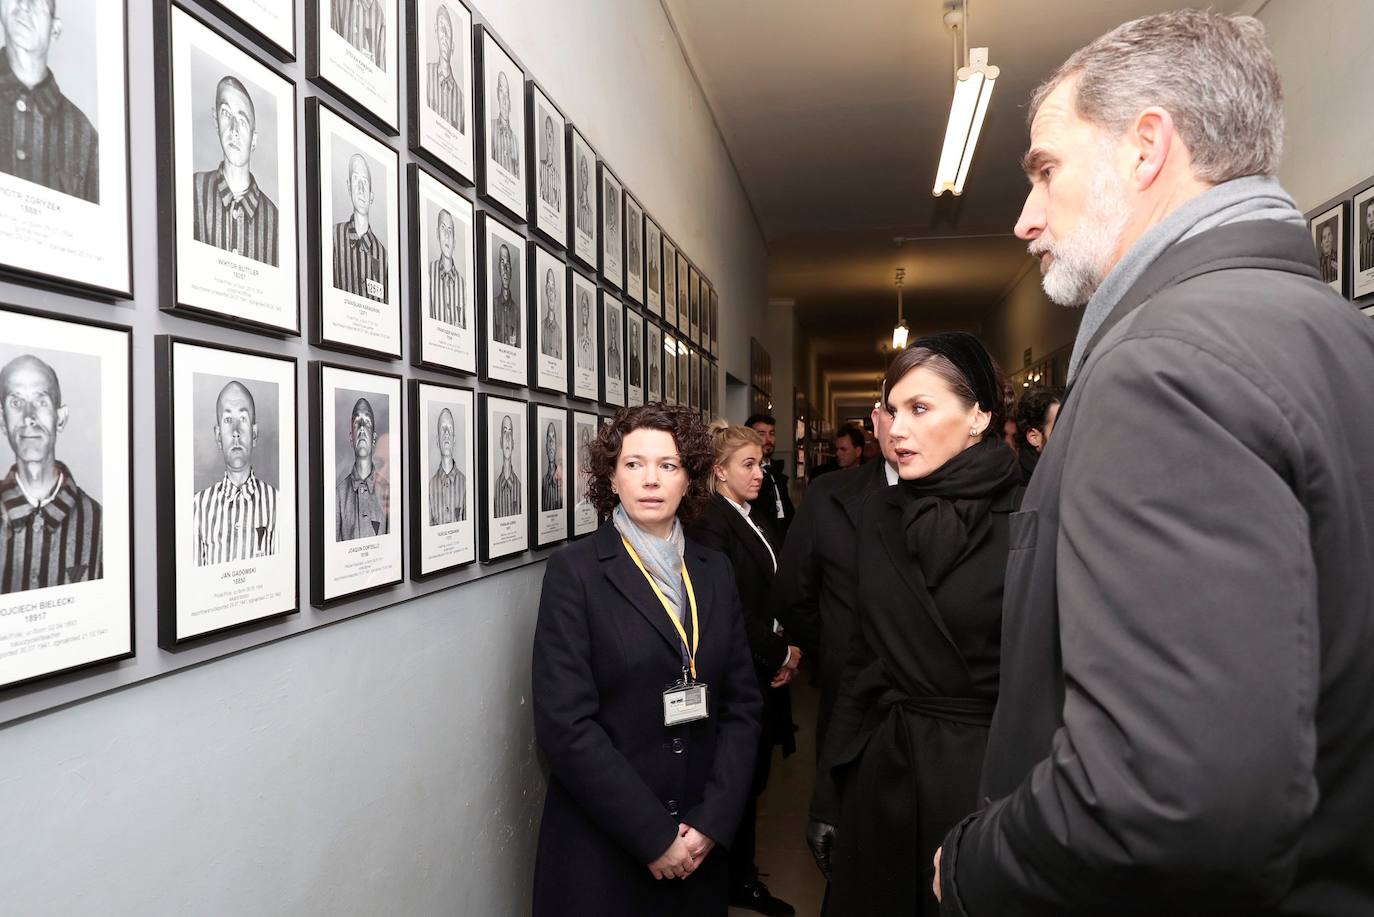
(645, 700)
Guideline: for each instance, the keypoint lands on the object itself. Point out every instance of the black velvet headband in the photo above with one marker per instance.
(971, 358)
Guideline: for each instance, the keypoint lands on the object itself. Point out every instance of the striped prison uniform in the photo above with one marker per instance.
(235, 521)
(446, 300)
(448, 500)
(361, 506)
(51, 544)
(358, 259)
(46, 139)
(507, 494)
(445, 96)
(550, 494)
(504, 150)
(550, 184)
(363, 25)
(246, 225)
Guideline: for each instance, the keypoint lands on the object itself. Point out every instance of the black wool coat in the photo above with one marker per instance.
(621, 781)
(1185, 724)
(905, 744)
(722, 528)
(817, 586)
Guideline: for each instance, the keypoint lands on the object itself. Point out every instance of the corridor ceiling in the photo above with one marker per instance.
(834, 113)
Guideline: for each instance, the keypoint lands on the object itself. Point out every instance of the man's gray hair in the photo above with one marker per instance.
(1212, 73)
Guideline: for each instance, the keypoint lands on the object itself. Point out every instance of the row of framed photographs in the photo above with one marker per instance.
(228, 191)
(487, 477)
(1343, 235)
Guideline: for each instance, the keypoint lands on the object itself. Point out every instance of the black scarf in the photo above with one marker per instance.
(943, 511)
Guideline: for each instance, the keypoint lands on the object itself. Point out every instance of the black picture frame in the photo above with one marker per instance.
(684, 323)
(390, 126)
(653, 254)
(584, 386)
(418, 513)
(519, 527)
(169, 636)
(17, 267)
(653, 359)
(553, 231)
(225, 11)
(611, 253)
(482, 34)
(634, 267)
(586, 253)
(694, 304)
(668, 268)
(535, 337)
(518, 376)
(670, 367)
(462, 35)
(612, 312)
(318, 599)
(1337, 209)
(583, 519)
(317, 238)
(536, 477)
(415, 174)
(171, 300)
(636, 387)
(129, 646)
(1361, 208)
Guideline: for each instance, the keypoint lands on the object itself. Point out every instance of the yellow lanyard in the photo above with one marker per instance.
(667, 606)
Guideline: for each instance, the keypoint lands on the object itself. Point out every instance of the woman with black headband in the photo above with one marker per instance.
(905, 744)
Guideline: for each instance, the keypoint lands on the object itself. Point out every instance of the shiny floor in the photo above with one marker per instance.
(786, 864)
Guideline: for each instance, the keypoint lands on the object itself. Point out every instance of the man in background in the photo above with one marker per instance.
(773, 506)
(849, 451)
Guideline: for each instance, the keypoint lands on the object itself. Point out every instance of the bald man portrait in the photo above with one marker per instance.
(586, 219)
(44, 138)
(551, 325)
(447, 298)
(363, 494)
(1328, 252)
(235, 518)
(506, 501)
(1366, 229)
(551, 484)
(550, 165)
(586, 351)
(448, 485)
(359, 256)
(230, 211)
(505, 152)
(50, 529)
(505, 309)
(362, 23)
(443, 91)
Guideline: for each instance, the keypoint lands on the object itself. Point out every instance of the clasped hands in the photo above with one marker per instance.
(789, 668)
(687, 851)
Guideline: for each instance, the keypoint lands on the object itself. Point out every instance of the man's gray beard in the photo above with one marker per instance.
(1080, 259)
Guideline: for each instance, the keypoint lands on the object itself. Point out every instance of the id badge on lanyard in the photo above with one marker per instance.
(687, 700)
(684, 703)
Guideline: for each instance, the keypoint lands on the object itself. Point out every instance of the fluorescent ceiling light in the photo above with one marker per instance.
(899, 333)
(972, 92)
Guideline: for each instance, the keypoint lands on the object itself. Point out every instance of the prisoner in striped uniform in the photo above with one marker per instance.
(229, 210)
(505, 152)
(236, 517)
(448, 500)
(359, 256)
(362, 23)
(50, 529)
(551, 487)
(505, 310)
(363, 494)
(586, 220)
(551, 327)
(447, 301)
(550, 171)
(507, 497)
(443, 93)
(44, 138)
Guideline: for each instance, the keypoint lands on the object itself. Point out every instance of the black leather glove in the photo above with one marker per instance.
(820, 837)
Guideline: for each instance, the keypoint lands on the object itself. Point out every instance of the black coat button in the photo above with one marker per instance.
(672, 807)
(678, 746)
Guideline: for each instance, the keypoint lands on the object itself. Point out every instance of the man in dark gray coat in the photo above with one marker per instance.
(1185, 722)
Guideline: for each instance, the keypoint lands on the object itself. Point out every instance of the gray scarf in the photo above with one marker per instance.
(1255, 197)
(662, 558)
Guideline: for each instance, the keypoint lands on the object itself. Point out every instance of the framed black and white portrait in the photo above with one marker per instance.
(505, 451)
(684, 373)
(227, 493)
(714, 388)
(584, 516)
(355, 234)
(634, 356)
(653, 356)
(611, 204)
(693, 379)
(612, 351)
(694, 305)
(548, 186)
(500, 165)
(440, 85)
(653, 267)
(1328, 229)
(271, 23)
(550, 483)
(443, 288)
(1362, 249)
(669, 368)
(356, 488)
(64, 150)
(548, 297)
(583, 229)
(355, 51)
(634, 249)
(715, 323)
(65, 496)
(684, 286)
(669, 283)
(228, 181)
(501, 257)
(586, 336)
(443, 475)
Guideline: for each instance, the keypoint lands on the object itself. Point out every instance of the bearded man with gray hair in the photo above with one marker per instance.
(1184, 723)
